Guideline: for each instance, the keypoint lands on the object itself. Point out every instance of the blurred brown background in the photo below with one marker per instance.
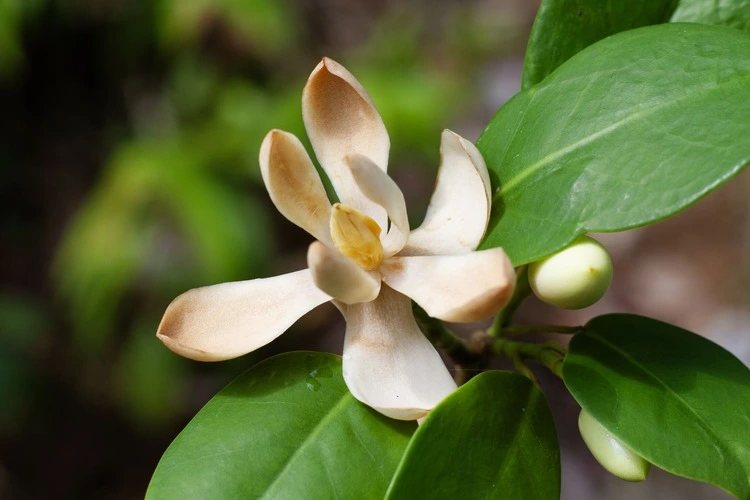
(128, 174)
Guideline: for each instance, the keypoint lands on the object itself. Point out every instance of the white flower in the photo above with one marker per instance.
(368, 269)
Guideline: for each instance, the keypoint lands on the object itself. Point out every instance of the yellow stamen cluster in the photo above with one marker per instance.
(357, 236)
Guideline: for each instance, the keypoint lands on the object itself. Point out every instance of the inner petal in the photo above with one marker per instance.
(357, 236)
(459, 209)
(378, 187)
(341, 119)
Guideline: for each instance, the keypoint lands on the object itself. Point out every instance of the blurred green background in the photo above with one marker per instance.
(129, 173)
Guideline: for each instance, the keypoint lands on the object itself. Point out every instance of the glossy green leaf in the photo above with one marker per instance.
(286, 428)
(734, 13)
(492, 438)
(675, 398)
(563, 28)
(627, 132)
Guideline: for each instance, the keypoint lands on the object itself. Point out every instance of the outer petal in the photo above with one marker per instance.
(294, 184)
(340, 277)
(380, 188)
(388, 363)
(459, 210)
(224, 321)
(341, 119)
(459, 288)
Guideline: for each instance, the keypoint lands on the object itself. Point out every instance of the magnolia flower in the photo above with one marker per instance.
(368, 267)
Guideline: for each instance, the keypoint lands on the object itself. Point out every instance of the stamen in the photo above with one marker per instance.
(357, 236)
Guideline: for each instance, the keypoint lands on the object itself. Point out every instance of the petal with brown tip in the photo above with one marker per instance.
(459, 209)
(294, 185)
(458, 288)
(341, 119)
(224, 321)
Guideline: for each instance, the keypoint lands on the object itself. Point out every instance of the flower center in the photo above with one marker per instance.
(357, 236)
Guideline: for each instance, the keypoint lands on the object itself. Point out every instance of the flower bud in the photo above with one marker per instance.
(610, 452)
(573, 278)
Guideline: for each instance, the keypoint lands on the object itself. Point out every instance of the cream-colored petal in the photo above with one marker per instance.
(224, 321)
(380, 188)
(459, 288)
(294, 185)
(340, 277)
(388, 363)
(459, 209)
(341, 119)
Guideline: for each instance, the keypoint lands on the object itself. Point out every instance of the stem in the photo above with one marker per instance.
(525, 329)
(522, 291)
(442, 337)
(555, 347)
(523, 368)
(545, 354)
(482, 346)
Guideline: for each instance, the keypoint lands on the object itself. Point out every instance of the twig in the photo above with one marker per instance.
(544, 354)
(445, 339)
(522, 291)
(526, 329)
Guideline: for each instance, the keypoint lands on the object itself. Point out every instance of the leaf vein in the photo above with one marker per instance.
(510, 184)
(726, 451)
(524, 422)
(310, 439)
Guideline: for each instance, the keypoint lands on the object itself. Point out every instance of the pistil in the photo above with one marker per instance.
(357, 236)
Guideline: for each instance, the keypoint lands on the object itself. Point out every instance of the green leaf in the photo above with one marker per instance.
(629, 131)
(734, 13)
(563, 28)
(492, 438)
(286, 428)
(675, 398)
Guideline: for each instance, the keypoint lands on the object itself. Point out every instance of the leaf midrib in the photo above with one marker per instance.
(726, 449)
(309, 440)
(532, 401)
(550, 157)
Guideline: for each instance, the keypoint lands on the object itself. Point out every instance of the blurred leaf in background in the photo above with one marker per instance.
(11, 52)
(159, 222)
(13, 13)
(23, 327)
(260, 27)
(151, 381)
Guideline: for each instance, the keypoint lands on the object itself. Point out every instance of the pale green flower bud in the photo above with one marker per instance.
(610, 452)
(573, 278)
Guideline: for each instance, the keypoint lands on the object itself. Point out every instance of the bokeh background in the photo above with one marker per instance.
(129, 138)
